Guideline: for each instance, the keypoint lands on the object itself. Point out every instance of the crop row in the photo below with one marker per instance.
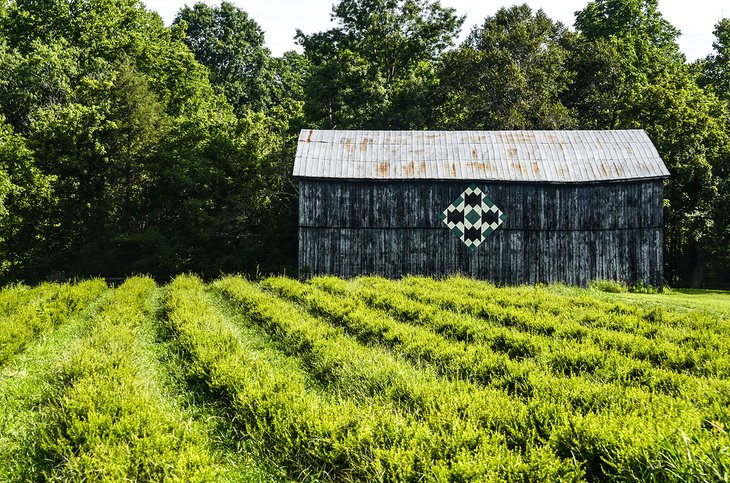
(367, 380)
(314, 432)
(494, 357)
(686, 327)
(527, 377)
(618, 407)
(463, 316)
(31, 312)
(615, 441)
(14, 296)
(107, 420)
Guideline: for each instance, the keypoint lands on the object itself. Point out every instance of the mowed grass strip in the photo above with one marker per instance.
(311, 433)
(660, 417)
(47, 307)
(109, 421)
(27, 383)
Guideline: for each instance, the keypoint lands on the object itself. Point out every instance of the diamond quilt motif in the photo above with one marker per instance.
(472, 216)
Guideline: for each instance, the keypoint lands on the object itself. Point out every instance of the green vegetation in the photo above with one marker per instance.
(28, 313)
(127, 146)
(716, 302)
(369, 379)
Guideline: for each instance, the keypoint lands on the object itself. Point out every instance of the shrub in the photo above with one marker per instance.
(611, 286)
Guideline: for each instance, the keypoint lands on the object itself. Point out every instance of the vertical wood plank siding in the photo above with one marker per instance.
(571, 233)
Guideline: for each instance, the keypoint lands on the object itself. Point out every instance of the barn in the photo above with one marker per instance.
(511, 207)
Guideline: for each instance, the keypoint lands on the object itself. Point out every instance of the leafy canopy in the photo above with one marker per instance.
(509, 74)
(375, 68)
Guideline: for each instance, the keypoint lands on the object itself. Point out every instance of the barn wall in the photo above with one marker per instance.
(555, 232)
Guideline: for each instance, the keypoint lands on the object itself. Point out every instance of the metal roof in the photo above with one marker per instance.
(527, 156)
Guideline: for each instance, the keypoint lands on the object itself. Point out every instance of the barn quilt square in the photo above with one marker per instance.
(472, 216)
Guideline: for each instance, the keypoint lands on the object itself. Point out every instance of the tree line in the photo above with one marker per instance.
(127, 146)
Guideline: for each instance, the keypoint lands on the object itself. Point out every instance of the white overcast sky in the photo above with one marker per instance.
(280, 18)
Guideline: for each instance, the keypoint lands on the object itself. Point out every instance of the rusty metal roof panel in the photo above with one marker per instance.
(526, 156)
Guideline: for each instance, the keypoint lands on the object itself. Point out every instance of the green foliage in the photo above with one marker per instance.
(40, 310)
(369, 379)
(127, 146)
(631, 74)
(345, 367)
(108, 423)
(643, 287)
(120, 157)
(375, 68)
(27, 198)
(611, 286)
(231, 45)
(637, 25)
(715, 69)
(522, 57)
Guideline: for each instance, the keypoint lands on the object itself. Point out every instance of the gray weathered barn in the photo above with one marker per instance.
(508, 206)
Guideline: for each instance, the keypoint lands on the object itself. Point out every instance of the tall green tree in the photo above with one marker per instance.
(27, 198)
(266, 93)
(231, 45)
(375, 68)
(509, 74)
(148, 168)
(625, 46)
(8, 151)
(715, 69)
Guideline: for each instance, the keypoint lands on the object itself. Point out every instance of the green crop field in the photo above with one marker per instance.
(364, 380)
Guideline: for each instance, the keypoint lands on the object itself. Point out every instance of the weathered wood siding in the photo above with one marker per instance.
(572, 233)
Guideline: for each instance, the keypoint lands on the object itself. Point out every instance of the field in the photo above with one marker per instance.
(364, 380)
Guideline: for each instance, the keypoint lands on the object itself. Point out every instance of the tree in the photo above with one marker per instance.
(259, 210)
(714, 76)
(231, 45)
(509, 74)
(715, 69)
(375, 69)
(26, 198)
(625, 46)
(113, 106)
(42, 77)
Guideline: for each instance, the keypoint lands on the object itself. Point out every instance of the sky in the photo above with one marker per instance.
(280, 18)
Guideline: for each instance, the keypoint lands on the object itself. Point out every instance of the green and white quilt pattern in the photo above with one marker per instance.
(472, 217)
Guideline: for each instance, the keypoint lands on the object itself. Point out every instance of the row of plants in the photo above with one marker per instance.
(108, 419)
(31, 312)
(12, 296)
(312, 428)
(522, 363)
(578, 305)
(661, 417)
(614, 442)
(697, 352)
(364, 380)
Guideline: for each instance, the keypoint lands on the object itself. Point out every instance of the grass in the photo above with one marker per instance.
(362, 380)
(715, 302)
(27, 382)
